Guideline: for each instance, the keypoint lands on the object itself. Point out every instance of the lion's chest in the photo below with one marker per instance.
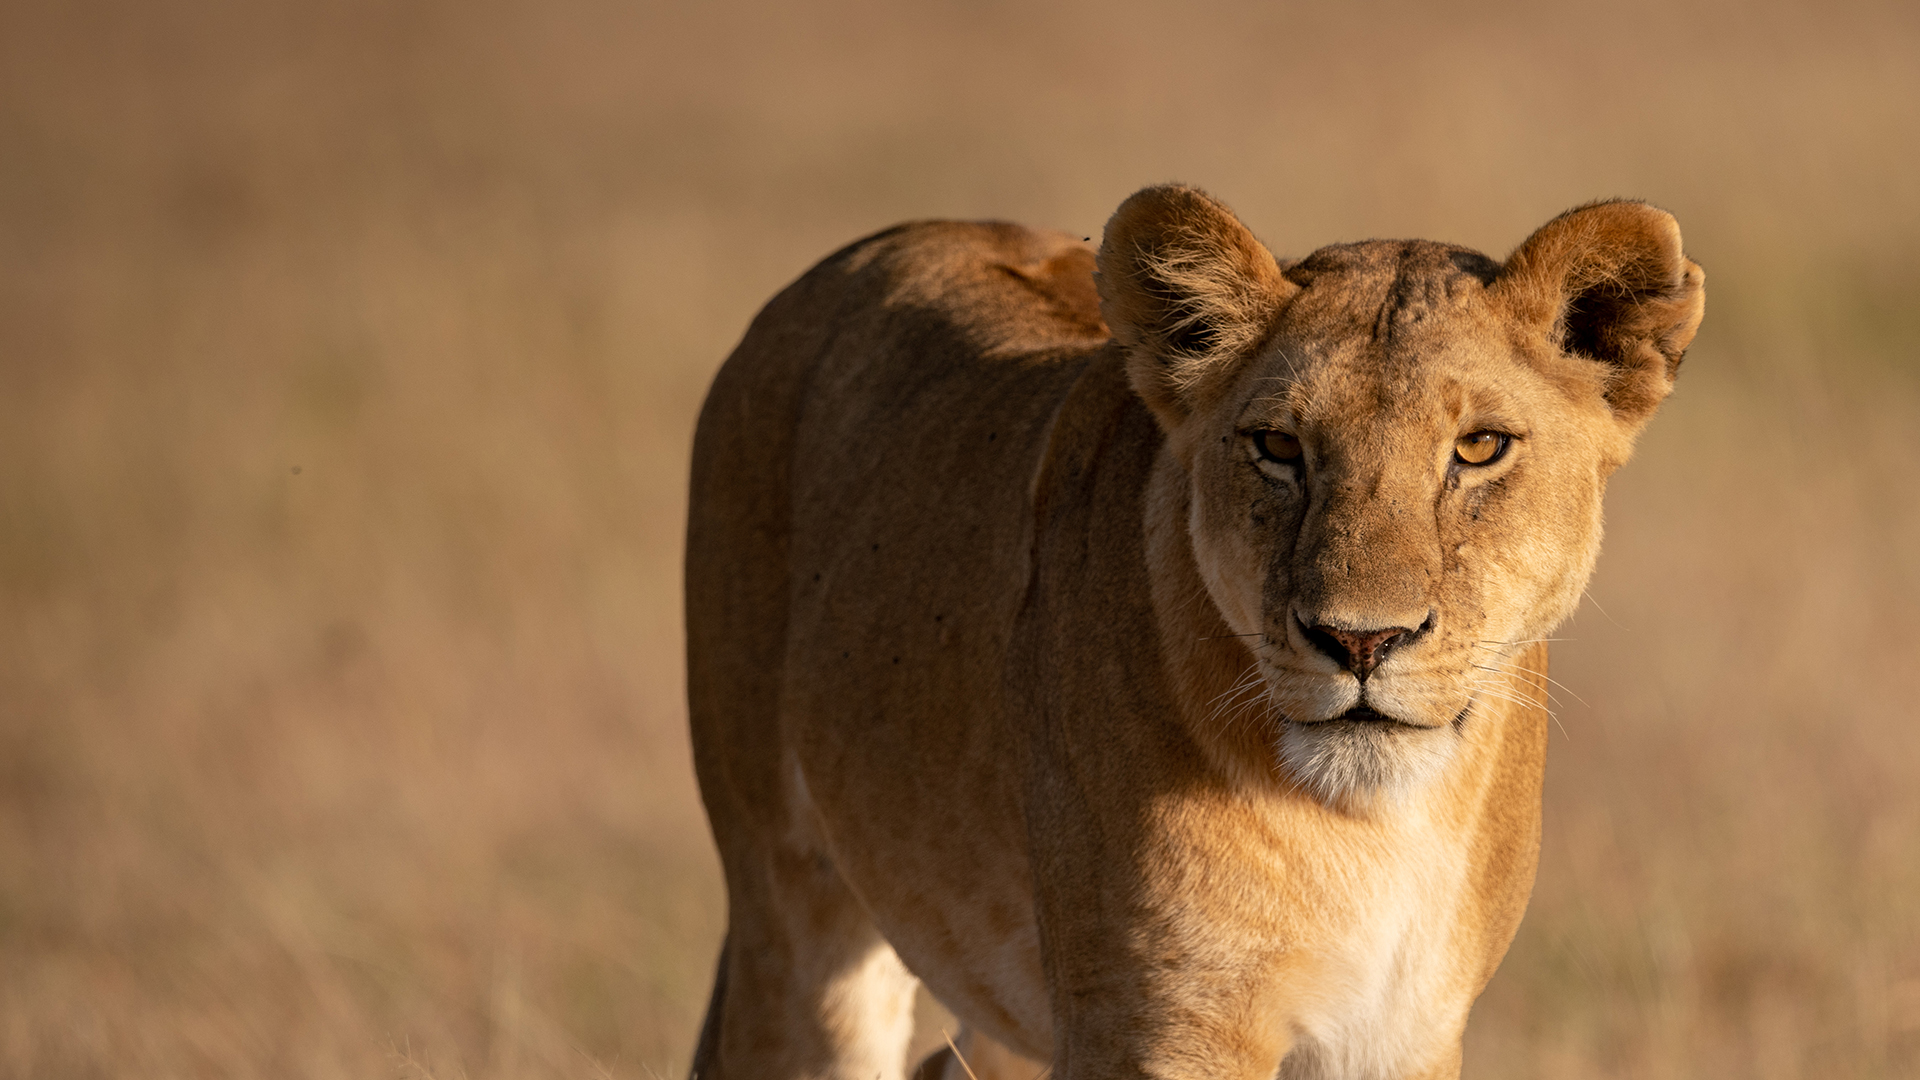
(1379, 966)
(1358, 942)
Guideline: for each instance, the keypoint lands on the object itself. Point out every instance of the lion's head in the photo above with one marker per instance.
(1394, 452)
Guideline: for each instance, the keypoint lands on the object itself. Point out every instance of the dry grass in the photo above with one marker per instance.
(348, 358)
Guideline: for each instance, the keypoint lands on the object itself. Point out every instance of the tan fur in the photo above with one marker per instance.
(999, 633)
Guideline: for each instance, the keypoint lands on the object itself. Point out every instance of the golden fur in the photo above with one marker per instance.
(1023, 663)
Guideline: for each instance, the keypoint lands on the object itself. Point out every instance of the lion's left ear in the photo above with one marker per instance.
(1610, 282)
(1186, 289)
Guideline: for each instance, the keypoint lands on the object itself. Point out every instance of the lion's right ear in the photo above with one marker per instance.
(1186, 289)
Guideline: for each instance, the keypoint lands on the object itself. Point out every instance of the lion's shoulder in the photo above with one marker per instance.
(1005, 285)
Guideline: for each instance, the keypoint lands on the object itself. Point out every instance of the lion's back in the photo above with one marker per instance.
(861, 483)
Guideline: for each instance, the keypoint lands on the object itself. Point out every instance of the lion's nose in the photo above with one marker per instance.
(1360, 651)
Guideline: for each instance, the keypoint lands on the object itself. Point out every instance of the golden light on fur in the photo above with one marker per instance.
(1160, 757)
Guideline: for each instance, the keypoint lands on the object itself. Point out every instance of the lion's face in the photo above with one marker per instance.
(1395, 455)
(1390, 500)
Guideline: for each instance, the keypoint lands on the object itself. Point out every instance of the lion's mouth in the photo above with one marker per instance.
(1406, 701)
(1367, 714)
(1364, 714)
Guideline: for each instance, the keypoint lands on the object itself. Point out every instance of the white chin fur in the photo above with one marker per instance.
(1355, 762)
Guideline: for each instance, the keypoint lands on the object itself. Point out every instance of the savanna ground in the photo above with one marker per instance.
(349, 354)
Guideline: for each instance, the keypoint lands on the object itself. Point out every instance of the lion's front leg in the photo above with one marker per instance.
(807, 988)
(1144, 989)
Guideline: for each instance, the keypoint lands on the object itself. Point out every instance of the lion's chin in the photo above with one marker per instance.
(1361, 757)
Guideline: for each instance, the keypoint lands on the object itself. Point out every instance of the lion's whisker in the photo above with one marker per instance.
(1541, 674)
(1488, 688)
(1588, 593)
(1234, 701)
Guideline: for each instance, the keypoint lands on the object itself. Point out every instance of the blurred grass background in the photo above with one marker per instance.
(349, 355)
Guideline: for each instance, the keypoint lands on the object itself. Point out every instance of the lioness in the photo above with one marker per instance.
(1145, 650)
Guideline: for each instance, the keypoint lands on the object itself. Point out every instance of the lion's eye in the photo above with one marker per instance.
(1480, 448)
(1277, 446)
